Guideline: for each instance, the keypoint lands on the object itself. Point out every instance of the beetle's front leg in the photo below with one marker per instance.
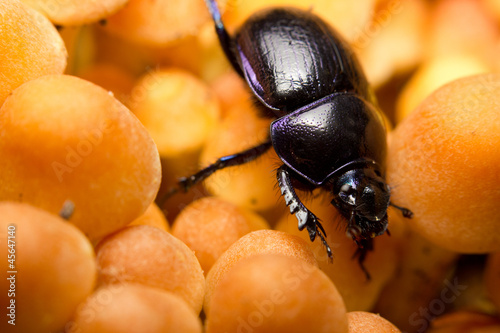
(364, 246)
(305, 218)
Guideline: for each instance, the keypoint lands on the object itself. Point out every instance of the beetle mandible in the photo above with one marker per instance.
(328, 130)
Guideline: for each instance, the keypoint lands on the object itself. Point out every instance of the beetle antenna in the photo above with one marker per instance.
(405, 211)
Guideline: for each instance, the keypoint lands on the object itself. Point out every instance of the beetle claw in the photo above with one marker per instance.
(322, 234)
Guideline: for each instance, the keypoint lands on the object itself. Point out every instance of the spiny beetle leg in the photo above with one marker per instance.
(305, 218)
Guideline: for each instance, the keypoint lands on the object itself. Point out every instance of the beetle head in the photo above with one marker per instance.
(362, 196)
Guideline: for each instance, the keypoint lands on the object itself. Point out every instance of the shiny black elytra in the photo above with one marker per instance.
(328, 130)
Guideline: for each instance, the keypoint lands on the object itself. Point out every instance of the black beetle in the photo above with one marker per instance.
(329, 132)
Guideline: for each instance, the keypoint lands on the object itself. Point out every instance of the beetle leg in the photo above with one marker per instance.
(405, 211)
(225, 40)
(185, 183)
(364, 246)
(305, 218)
